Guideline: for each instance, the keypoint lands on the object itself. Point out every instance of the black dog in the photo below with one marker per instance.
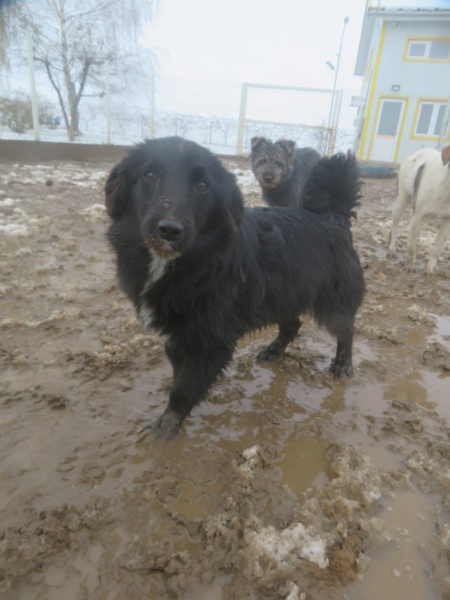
(203, 271)
(282, 170)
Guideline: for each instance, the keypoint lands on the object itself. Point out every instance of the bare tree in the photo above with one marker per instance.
(72, 40)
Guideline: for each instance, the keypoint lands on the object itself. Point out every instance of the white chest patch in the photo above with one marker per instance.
(145, 315)
(157, 268)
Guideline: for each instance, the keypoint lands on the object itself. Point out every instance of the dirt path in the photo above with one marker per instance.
(283, 484)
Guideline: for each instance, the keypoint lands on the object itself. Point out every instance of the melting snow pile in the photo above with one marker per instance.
(11, 219)
(95, 212)
(282, 548)
(246, 181)
(328, 530)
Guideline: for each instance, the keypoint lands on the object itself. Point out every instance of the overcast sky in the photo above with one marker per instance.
(284, 42)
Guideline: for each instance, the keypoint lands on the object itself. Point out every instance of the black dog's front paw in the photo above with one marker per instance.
(269, 354)
(166, 426)
(341, 370)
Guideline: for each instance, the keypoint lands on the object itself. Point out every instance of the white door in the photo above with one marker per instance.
(387, 129)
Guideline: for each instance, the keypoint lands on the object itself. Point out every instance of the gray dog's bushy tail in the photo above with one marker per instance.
(333, 185)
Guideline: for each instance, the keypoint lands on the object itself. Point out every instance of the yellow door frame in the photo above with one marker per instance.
(402, 126)
(373, 84)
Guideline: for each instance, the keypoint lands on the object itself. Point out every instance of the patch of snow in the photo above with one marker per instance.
(96, 212)
(8, 202)
(268, 544)
(14, 229)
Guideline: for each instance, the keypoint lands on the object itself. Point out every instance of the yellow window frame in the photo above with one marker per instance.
(431, 138)
(417, 59)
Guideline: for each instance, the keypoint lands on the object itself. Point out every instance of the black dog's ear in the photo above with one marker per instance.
(235, 208)
(256, 141)
(288, 145)
(115, 192)
(232, 205)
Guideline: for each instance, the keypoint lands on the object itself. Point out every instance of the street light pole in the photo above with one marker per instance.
(336, 71)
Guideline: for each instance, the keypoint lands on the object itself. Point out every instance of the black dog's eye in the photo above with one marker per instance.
(278, 164)
(202, 186)
(151, 176)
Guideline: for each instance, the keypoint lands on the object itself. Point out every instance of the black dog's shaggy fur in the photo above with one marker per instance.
(282, 170)
(203, 271)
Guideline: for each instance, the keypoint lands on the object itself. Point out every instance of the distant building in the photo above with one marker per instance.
(404, 57)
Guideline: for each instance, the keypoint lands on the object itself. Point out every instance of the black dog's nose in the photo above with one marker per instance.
(170, 230)
(268, 178)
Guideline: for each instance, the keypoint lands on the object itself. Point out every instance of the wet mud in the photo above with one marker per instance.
(283, 484)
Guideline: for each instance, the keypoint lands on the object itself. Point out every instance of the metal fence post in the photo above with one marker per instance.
(335, 122)
(34, 105)
(152, 107)
(241, 126)
(108, 104)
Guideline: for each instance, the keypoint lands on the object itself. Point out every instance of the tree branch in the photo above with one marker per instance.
(87, 65)
(58, 92)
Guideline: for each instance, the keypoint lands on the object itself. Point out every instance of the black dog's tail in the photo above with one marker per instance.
(333, 185)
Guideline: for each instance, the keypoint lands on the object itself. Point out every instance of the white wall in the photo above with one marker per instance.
(415, 78)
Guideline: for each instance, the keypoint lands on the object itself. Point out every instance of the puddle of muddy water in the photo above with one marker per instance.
(400, 572)
(304, 463)
(428, 389)
(442, 332)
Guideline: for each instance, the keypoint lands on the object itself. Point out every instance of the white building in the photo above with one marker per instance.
(404, 57)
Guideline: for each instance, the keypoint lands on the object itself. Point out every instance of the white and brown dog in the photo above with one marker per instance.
(424, 183)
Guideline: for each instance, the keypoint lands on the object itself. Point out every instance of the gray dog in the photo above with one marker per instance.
(282, 170)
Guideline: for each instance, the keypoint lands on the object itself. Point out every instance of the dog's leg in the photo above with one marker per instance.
(400, 205)
(341, 326)
(414, 232)
(195, 371)
(175, 356)
(441, 239)
(287, 332)
(342, 362)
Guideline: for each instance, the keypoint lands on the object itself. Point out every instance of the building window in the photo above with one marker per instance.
(429, 119)
(428, 50)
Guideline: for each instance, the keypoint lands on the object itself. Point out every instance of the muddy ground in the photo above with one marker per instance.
(282, 485)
